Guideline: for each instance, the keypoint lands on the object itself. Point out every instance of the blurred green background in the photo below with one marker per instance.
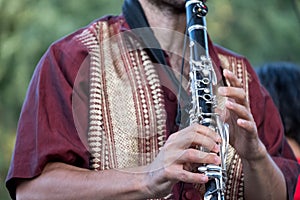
(264, 30)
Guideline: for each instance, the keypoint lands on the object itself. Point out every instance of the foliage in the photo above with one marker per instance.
(263, 31)
(28, 27)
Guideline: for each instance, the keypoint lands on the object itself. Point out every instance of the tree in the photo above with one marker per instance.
(28, 27)
(263, 31)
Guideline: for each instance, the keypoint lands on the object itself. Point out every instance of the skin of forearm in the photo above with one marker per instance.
(61, 181)
(263, 180)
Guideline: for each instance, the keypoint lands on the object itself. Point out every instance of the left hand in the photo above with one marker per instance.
(243, 131)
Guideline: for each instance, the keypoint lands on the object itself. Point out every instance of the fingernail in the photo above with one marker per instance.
(219, 139)
(216, 148)
(228, 103)
(227, 71)
(217, 160)
(204, 178)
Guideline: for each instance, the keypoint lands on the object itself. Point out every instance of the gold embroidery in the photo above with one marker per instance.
(127, 116)
(95, 138)
(129, 130)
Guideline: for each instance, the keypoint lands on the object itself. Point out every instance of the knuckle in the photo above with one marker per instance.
(208, 158)
(173, 137)
(189, 154)
(183, 176)
(201, 156)
(168, 173)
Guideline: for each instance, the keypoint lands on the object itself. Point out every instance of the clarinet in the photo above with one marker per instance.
(203, 100)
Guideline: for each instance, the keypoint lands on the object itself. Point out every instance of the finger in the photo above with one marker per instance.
(196, 156)
(207, 142)
(193, 135)
(206, 131)
(232, 79)
(190, 177)
(240, 110)
(238, 94)
(249, 126)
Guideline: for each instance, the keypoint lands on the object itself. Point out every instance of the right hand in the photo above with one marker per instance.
(174, 161)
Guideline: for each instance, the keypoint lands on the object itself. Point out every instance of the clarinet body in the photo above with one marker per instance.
(203, 102)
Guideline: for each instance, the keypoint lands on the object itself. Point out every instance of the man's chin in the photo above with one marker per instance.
(175, 6)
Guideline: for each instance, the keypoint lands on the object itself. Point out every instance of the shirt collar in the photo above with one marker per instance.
(137, 21)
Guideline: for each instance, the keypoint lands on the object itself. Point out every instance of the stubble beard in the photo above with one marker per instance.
(171, 6)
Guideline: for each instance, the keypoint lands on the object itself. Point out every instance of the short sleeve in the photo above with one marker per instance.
(47, 131)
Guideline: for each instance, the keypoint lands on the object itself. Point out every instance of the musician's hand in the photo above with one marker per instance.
(243, 130)
(177, 155)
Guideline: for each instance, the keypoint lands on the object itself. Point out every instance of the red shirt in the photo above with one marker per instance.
(47, 131)
(297, 192)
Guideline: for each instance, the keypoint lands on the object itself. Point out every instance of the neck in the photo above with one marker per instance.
(168, 26)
